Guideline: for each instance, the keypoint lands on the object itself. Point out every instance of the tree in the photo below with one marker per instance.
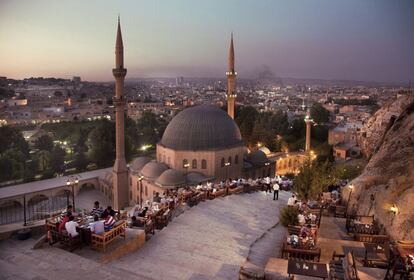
(289, 216)
(57, 159)
(319, 114)
(43, 159)
(44, 142)
(12, 164)
(12, 138)
(101, 144)
(313, 179)
(246, 121)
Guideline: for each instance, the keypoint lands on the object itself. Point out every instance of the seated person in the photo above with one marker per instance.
(301, 219)
(109, 211)
(137, 222)
(64, 221)
(156, 198)
(209, 185)
(143, 213)
(97, 226)
(97, 210)
(292, 200)
(304, 207)
(305, 231)
(109, 221)
(70, 227)
(65, 212)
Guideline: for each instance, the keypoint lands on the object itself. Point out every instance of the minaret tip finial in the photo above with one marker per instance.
(119, 18)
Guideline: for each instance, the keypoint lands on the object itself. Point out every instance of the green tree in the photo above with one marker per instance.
(319, 114)
(101, 144)
(44, 142)
(313, 179)
(289, 216)
(12, 164)
(43, 159)
(57, 159)
(246, 121)
(12, 138)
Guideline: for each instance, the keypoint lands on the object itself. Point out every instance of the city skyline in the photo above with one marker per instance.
(368, 40)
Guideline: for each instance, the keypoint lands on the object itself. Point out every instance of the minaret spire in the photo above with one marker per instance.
(231, 80)
(120, 171)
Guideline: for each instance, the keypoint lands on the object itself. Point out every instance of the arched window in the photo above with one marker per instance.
(230, 159)
(194, 164)
(236, 159)
(185, 163)
(163, 158)
(204, 164)
(146, 190)
(222, 162)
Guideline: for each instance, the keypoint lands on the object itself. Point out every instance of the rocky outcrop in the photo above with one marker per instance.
(388, 179)
(374, 129)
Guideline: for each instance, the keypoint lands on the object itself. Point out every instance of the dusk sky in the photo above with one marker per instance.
(328, 39)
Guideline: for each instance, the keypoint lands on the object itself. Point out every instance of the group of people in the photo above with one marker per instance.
(103, 219)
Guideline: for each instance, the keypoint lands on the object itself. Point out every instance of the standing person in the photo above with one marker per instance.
(267, 182)
(276, 191)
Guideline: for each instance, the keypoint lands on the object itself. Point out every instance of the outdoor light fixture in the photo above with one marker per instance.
(394, 209)
(187, 165)
(227, 164)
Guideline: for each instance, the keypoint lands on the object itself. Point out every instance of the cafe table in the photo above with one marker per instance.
(306, 268)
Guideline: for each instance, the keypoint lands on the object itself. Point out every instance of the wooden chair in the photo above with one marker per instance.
(101, 241)
(66, 240)
(301, 254)
(342, 267)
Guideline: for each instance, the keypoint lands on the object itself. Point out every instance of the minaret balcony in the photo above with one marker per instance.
(231, 73)
(119, 72)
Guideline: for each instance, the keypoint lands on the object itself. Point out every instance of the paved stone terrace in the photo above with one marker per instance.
(208, 241)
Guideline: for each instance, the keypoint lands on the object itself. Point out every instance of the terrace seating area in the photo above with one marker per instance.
(344, 246)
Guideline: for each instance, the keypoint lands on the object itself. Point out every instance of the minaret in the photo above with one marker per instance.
(308, 122)
(120, 171)
(231, 81)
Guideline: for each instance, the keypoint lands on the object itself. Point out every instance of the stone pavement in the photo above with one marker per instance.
(208, 241)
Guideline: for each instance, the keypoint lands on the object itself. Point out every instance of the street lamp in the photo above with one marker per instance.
(140, 189)
(71, 182)
(351, 187)
(186, 166)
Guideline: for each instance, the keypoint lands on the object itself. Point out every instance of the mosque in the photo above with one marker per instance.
(200, 143)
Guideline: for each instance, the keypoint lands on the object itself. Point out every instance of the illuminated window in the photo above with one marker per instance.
(203, 164)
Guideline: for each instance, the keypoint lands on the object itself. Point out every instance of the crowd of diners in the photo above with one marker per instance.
(97, 220)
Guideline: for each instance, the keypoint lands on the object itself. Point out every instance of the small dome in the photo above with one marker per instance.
(257, 157)
(265, 150)
(152, 170)
(171, 177)
(138, 163)
(195, 178)
(201, 127)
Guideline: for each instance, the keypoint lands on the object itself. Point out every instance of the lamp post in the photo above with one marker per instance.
(71, 182)
(226, 165)
(351, 187)
(140, 190)
(186, 166)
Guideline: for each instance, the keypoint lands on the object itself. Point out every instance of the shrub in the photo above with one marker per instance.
(289, 216)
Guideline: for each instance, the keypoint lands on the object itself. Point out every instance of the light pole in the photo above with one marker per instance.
(140, 190)
(186, 166)
(71, 182)
(351, 187)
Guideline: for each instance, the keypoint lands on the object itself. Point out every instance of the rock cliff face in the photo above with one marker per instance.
(374, 129)
(388, 179)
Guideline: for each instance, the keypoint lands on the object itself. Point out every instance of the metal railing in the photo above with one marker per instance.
(38, 207)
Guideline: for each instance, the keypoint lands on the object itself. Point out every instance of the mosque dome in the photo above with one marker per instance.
(265, 150)
(138, 163)
(257, 157)
(152, 170)
(201, 127)
(171, 177)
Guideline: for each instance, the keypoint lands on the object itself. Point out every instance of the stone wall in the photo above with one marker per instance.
(389, 175)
